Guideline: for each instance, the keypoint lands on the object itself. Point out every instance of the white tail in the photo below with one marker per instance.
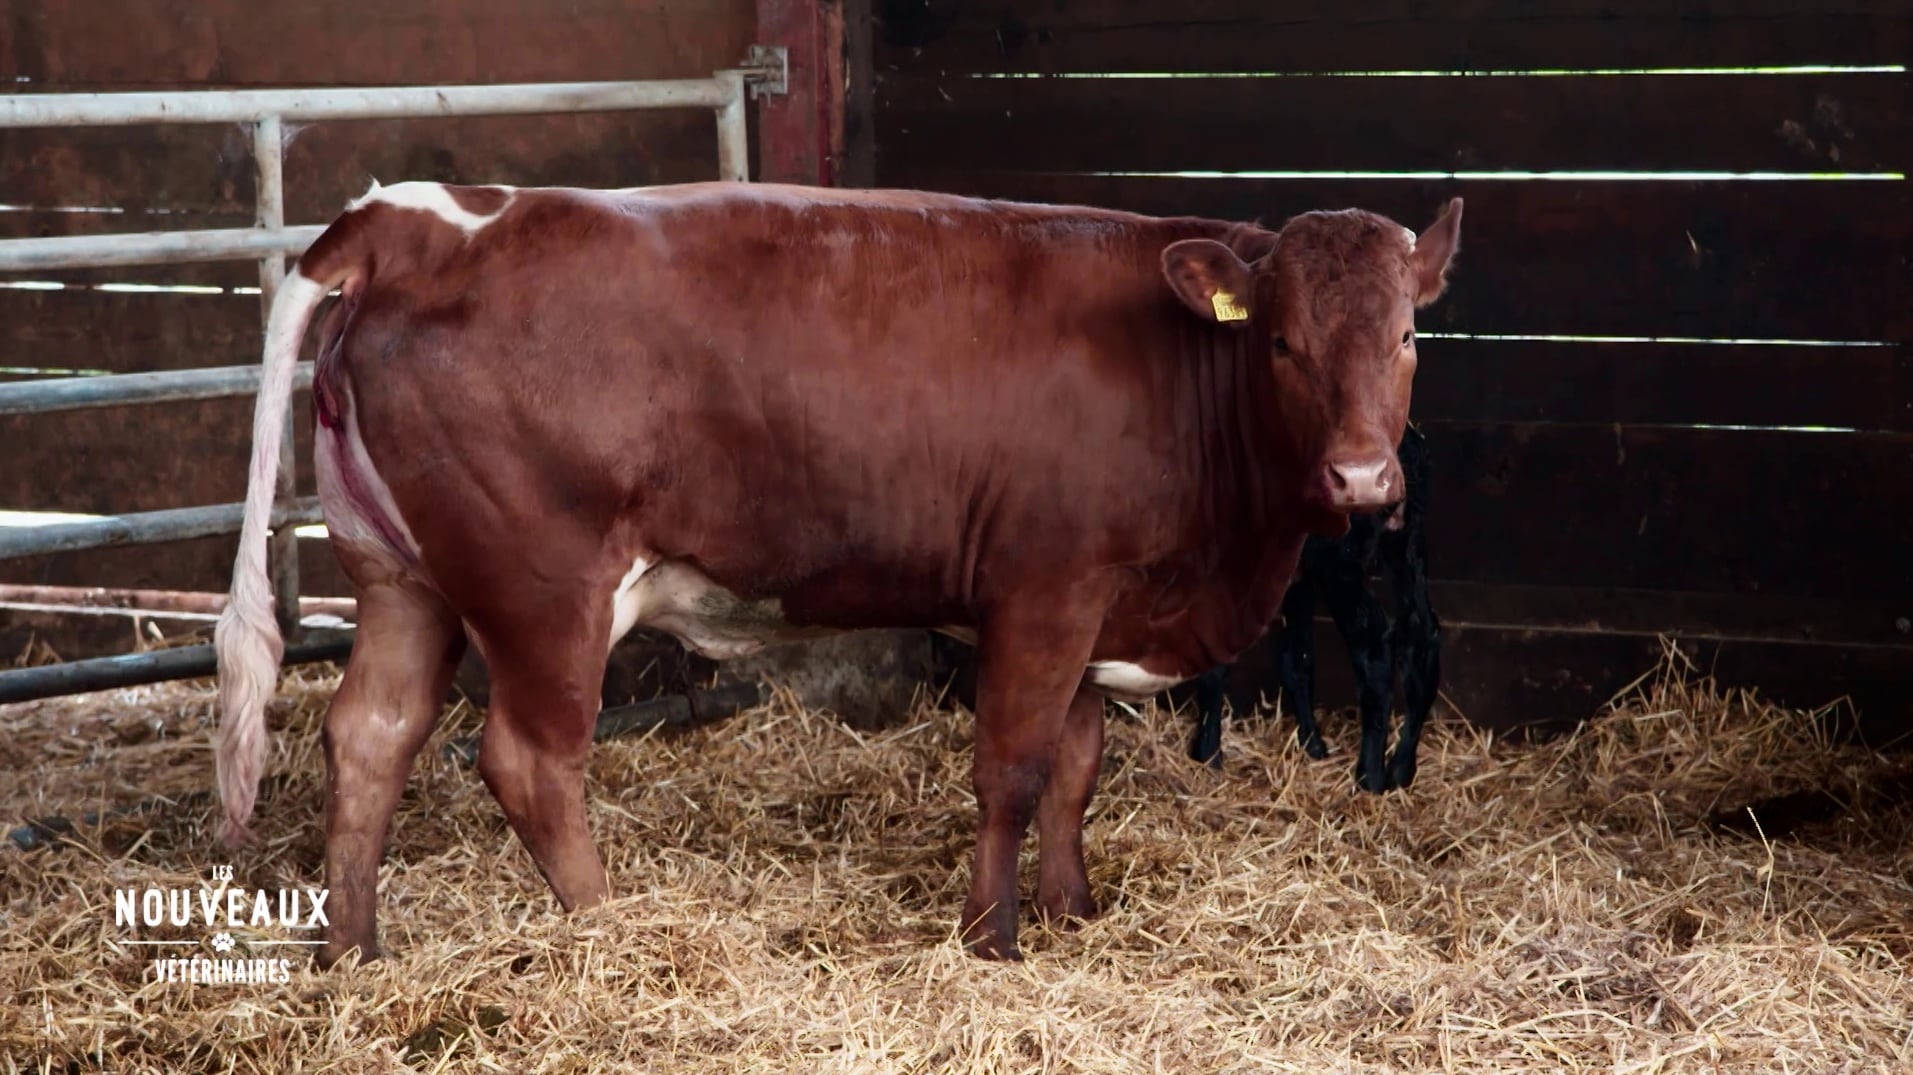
(247, 637)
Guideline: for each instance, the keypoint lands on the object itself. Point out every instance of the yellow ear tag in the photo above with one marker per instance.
(1226, 308)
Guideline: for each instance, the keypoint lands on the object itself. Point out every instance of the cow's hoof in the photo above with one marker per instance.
(1371, 778)
(1401, 772)
(331, 952)
(1065, 910)
(995, 949)
(1207, 751)
(1314, 747)
(990, 933)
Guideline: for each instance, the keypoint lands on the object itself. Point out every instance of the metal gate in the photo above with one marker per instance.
(269, 241)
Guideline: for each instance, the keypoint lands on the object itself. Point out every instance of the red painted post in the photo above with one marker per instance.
(800, 133)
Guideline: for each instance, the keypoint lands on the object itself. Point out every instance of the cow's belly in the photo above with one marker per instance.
(708, 619)
(1124, 680)
(713, 622)
(1129, 681)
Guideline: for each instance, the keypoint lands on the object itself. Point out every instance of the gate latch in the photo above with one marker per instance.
(767, 70)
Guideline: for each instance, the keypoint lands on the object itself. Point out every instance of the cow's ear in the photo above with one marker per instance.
(1210, 279)
(1434, 250)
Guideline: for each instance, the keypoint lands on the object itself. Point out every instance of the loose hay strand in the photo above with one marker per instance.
(785, 894)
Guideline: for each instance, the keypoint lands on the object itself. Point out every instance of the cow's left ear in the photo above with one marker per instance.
(1210, 279)
(1434, 249)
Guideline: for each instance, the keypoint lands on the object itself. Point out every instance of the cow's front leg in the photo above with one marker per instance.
(1294, 644)
(1363, 624)
(1205, 745)
(1030, 661)
(1416, 641)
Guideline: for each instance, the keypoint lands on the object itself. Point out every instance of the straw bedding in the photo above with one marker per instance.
(786, 891)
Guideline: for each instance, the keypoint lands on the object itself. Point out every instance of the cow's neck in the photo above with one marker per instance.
(1245, 501)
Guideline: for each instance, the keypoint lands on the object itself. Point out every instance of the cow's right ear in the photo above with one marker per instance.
(1209, 279)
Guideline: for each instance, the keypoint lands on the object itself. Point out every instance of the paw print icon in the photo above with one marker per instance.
(223, 943)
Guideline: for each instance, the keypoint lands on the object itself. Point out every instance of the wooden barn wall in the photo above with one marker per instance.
(1609, 463)
(153, 178)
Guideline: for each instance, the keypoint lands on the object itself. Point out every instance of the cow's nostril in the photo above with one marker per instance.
(1359, 484)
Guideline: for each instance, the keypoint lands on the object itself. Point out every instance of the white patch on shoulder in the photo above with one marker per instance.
(432, 198)
(1130, 681)
(1409, 233)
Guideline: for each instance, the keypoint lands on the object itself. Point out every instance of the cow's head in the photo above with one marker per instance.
(1332, 305)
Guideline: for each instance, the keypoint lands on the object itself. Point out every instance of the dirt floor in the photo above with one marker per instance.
(787, 891)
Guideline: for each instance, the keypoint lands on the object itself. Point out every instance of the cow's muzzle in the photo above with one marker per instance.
(1367, 484)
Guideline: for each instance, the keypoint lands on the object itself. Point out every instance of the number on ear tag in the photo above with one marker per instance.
(1226, 308)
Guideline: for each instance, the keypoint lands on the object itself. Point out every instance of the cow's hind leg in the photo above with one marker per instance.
(1031, 659)
(546, 686)
(1062, 887)
(407, 646)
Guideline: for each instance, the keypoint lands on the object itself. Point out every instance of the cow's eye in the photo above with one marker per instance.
(1408, 337)
(1281, 345)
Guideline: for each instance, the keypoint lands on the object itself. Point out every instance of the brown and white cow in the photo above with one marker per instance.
(1091, 440)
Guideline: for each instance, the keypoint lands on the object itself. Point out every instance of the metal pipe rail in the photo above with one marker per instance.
(119, 389)
(271, 241)
(133, 669)
(371, 102)
(153, 248)
(723, 93)
(148, 528)
(159, 604)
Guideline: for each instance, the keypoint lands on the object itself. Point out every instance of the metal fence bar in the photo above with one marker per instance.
(144, 528)
(157, 603)
(270, 243)
(366, 102)
(183, 662)
(119, 389)
(733, 137)
(152, 248)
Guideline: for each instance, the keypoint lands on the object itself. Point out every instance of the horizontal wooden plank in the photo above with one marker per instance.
(1332, 35)
(139, 458)
(193, 171)
(1784, 260)
(1700, 510)
(128, 332)
(167, 43)
(20, 222)
(1750, 123)
(1876, 620)
(1543, 680)
(1859, 388)
(197, 167)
